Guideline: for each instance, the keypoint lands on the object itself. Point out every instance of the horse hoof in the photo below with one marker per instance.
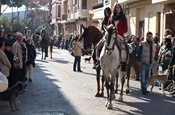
(113, 96)
(41, 58)
(101, 94)
(97, 95)
(109, 106)
(106, 104)
(116, 91)
(120, 98)
(127, 91)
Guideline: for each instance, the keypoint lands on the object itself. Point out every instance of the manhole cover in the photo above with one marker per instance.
(51, 113)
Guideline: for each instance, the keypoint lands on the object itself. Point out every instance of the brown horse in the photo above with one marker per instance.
(91, 36)
(45, 43)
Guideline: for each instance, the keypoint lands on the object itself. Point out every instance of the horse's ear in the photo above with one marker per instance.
(83, 26)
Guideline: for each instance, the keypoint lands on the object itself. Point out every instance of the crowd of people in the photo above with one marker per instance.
(17, 57)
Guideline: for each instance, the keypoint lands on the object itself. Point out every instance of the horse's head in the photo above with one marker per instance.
(90, 36)
(110, 36)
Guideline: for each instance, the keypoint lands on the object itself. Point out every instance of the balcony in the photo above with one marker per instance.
(162, 1)
(99, 5)
(72, 16)
(127, 1)
(64, 16)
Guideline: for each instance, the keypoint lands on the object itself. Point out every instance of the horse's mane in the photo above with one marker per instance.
(96, 29)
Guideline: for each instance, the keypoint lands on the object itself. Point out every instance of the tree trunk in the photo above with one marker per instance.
(0, 7)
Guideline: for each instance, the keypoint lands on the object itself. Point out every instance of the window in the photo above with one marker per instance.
(141, 28)
(59, 11)
(84, 4)
(75, 1)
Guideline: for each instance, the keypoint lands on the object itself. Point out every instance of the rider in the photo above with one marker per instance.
(106, 21)
(120, 21)
(48, 29)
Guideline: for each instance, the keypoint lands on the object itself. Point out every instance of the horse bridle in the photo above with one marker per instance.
(113, 43)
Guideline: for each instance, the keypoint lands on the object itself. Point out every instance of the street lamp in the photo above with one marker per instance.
(91, 13)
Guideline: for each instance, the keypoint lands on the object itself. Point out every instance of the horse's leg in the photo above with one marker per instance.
(107, 90)
(127, 86)
(112, 94)
(98, 83)
(42, 52)
(122, 78)
(46, 52)
(51, 47)
(102, 86)
(116, 83)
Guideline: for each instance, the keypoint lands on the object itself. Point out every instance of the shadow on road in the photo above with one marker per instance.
(42, 96)
(151, 104)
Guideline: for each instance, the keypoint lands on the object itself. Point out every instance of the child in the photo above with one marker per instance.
(31, 58)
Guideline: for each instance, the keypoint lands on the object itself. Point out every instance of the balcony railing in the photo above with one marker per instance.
(64, 16)
(99, 5)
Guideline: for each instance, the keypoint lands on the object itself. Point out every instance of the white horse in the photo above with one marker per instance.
(110, 58)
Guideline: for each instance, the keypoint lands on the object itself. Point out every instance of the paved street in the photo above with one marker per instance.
(57, 90)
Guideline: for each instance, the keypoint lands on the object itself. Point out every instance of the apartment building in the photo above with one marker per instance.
(68, 15)
(56, 16)
(149, 15)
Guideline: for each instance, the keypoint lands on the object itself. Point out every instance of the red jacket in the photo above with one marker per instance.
(122, 27)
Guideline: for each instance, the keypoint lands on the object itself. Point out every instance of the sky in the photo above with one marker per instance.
(10, 9)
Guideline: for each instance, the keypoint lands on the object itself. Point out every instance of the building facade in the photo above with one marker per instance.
(149, 15)
(97, 11)
(68, 15)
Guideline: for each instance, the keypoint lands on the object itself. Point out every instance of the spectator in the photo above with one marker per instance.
(146, 59)
(166, 35)
(165, 54)
(173, 41)
(13, 72)
(4, 62)
(19, 50)
(77, 49)
(133, 58)
(31, 59)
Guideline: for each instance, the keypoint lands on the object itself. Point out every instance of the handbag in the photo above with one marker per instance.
(16, 61)
(72, 53)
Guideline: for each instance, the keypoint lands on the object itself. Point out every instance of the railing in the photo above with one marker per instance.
(99, 5)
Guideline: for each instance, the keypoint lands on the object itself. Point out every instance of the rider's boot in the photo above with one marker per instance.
(97, 65)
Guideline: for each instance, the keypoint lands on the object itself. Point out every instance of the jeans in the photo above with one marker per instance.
(145, 72)
(77, 61)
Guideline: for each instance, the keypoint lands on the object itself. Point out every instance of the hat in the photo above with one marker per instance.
(7, 44)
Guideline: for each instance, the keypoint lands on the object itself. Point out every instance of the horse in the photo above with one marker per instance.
(110, 58)
(44, 43)
(91, 36)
